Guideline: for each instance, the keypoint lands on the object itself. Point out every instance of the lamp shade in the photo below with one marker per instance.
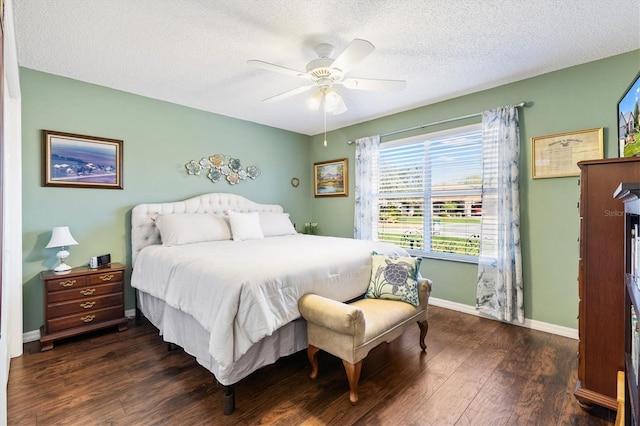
(339, 107)
(61, 237)
(331, 100)
(315, 100)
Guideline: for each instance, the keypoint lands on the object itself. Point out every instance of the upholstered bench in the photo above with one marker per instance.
(350, 331)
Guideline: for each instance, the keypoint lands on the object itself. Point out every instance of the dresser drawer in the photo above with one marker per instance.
(83, 305)
(82, 300)
(83, 292)
(106, 277)
(85, 318)
(66, 283)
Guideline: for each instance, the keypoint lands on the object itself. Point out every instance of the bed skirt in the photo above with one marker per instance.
(182, 329)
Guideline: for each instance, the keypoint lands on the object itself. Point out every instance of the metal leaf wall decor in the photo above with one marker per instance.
(218, 167)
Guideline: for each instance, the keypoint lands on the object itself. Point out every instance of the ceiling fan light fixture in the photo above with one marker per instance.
(340, 107)
(332, 100)
(314, 101)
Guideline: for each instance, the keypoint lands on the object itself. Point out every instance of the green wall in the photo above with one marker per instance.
(159, 138)
(576, 98)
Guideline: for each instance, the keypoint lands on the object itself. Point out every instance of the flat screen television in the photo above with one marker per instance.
(629, 120)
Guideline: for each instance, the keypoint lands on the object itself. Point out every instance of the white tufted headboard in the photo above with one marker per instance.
(143, 227)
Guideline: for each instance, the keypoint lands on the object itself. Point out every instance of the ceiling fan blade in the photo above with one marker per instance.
(354, 53)
(277, 68)
(289, 93)
(373, 84)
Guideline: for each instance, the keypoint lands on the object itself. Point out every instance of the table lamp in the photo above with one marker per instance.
(61, 237)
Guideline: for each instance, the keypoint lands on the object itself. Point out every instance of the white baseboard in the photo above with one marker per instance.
(572, 333)
(32, 336)
(532, 324)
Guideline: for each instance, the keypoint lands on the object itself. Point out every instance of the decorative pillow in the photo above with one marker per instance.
(394, 278)
(245, 226)
(187, 228)
(276, 224)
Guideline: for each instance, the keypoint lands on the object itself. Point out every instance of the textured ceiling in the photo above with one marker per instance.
(195, 52)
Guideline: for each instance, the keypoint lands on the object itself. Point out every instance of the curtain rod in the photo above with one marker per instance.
(435, 123)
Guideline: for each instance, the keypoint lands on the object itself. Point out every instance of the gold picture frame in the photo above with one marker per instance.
(70, 160)
(331, 178)
(558, 155)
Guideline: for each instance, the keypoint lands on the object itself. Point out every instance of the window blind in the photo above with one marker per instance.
(429, 193)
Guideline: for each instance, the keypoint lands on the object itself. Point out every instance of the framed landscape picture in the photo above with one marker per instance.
(629, 121)
(330, 178)
(70, 160)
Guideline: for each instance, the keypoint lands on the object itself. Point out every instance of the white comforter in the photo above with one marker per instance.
(243, 291)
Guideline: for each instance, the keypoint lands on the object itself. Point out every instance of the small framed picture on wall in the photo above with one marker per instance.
(330, 178)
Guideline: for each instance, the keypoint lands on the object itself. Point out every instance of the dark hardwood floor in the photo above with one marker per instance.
(475, 372)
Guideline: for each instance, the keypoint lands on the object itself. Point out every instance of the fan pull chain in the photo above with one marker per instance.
(325, 128)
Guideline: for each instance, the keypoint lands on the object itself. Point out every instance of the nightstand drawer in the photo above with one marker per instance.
(66, 283)
(83, 305)
(84, 292)
(82, 300)
(84, 319)
(106, 277)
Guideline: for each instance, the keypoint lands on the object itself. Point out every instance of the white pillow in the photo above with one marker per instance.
(245, 226)
(188, 228)
(275, 224)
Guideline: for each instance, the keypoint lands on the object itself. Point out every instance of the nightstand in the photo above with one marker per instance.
(82, 300)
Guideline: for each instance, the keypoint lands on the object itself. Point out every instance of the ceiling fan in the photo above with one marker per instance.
(325, 73)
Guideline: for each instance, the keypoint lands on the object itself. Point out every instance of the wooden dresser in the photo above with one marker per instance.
(600, 279)
(82, 300)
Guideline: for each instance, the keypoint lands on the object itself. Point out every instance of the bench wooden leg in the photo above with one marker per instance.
(424, 327)
(353, 376)
(312, 354)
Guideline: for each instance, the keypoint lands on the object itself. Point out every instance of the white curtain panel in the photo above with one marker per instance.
(366, 209)
(499, 291)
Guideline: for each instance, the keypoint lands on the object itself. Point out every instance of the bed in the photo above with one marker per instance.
(220, 276)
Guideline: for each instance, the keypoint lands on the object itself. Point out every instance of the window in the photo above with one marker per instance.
(429, 193)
